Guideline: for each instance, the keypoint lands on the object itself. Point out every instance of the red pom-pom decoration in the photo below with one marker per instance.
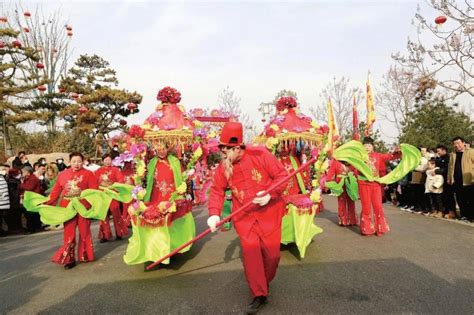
(3, 19)
(169, 95)
(26, 29)
(123, 122)
(441, 19)
(132, 106)
(74, 95)
(2, 44)
(41, 88)
(16, 44)
(39, 65)
(27, 14)
(82, 110)
(136, 132)
(286, 102)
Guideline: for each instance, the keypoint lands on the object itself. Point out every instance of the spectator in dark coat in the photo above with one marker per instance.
(14, 215)
(30, 183)
(442, 163)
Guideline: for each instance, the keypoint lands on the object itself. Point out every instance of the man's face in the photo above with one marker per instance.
(24, 159)
(441, 152)
(25, 173)
(423, 151)
(41, 170)
(459, 145)
(108, 161)
(369, 147)
(230, 153)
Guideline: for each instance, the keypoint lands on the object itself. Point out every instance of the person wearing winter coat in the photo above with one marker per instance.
(434, 188)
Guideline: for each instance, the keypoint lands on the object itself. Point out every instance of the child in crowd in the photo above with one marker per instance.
(434, 187)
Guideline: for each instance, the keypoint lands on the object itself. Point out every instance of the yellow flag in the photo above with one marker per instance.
(333, 131)
(370, 108)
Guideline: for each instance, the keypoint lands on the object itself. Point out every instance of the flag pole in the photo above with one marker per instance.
(234, 213)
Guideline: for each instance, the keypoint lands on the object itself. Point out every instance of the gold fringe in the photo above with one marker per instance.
(311, 137)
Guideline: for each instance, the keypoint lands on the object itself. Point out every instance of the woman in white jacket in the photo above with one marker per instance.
(434, 187)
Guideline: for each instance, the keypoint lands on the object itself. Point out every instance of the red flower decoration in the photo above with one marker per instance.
(286, 102)
(270, 132)
(169, 95)
(324, 129)
(136, 132)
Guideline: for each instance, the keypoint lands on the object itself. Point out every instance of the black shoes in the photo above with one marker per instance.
(118, 238)
(257, 304)
(103, 240)
(70, 265)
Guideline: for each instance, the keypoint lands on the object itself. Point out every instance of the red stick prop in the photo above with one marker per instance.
(234, 213)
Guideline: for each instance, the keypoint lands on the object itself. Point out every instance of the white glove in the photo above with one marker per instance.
(212, 222)
(261, 199)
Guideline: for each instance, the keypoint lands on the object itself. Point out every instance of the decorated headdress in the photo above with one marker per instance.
(169, 124)
(289, 126)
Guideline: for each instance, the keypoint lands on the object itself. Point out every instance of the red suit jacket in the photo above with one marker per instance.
(254, 172)
(107, 175)
(70, 184)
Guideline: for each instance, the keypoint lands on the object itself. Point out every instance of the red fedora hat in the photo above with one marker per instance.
(231, 134)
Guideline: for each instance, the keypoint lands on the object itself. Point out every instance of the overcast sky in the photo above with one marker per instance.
(257, 48)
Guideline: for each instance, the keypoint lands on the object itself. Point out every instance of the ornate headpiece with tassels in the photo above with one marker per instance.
(289, 126)
(169, 124)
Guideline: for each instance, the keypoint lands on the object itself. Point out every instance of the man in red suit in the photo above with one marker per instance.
(248, 172)
(370, 193)
(106, 176)
(70, 183)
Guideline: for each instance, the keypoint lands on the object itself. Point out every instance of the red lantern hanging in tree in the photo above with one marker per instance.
(3, 19)
(27, 14)
(123, 122)
(26, 29)
(82, 109)
(2, 44)
(74, 95)
(16, 44)
(69, 33)
(39, 65)
(41, 88)
(62, 90)
(132, 107)
(69, 27)
(441, 19)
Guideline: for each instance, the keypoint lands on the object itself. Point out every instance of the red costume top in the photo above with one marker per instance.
(337, 168)
(377, 162)
(255, 171)
(70, 184)
(107, 175)
(293, 187)
(163, 183)
(128, 173)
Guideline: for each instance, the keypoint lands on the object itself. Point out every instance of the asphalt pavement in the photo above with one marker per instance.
(423, 265)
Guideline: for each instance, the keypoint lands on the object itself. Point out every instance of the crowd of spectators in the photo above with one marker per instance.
(21, 176)
(442, 185)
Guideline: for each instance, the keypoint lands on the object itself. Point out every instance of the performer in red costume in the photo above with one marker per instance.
(128, 173)
(294, 187)
(106, 176)
(371, 194)
(248, 172)
(345, 205)
(70, 183)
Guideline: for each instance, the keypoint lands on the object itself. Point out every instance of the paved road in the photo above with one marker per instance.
(424, 265)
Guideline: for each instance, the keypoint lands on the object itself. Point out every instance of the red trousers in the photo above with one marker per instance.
(261, 256)
(346, 210)
(85, 251)
(371, 197)
(120, 229)
(126, 217)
